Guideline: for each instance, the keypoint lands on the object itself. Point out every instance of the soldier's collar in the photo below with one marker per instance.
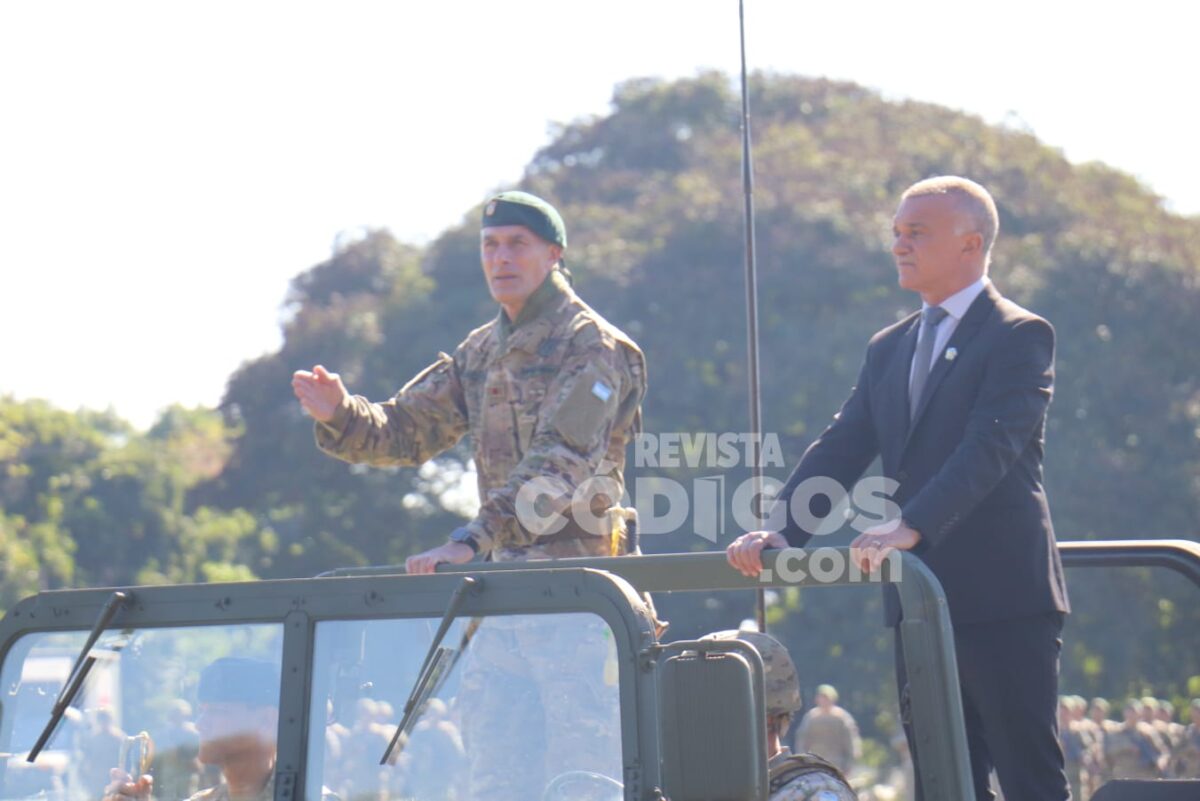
(267, 793)
(543, 300)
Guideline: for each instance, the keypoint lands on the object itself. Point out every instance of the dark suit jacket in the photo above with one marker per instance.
(969, 467)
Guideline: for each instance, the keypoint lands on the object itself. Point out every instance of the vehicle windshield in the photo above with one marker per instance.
(521, 707)
(199, 694)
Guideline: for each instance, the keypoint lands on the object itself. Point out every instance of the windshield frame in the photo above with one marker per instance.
(299, 604)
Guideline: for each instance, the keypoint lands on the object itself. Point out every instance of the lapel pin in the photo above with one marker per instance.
(951, 354)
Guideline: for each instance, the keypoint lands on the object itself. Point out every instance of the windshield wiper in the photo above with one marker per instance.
(435, 668)
(79, 672)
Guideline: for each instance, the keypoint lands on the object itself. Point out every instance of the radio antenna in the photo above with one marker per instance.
(755, 451)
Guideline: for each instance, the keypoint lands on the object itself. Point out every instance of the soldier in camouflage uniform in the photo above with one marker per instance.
(239, 716)
(1170, 732)
(1187, 761)
(1133, 750)
(551, 394)
(1071, 740)
(829, 730)
(549, 391)
(1100, 727)
(793, 777)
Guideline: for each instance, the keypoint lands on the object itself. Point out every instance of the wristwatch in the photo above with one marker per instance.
(463, 534)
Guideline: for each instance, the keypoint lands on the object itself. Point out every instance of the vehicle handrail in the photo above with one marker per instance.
(1182, 556)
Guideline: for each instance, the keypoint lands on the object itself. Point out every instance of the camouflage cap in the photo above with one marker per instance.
(522, 208)
(782, 683)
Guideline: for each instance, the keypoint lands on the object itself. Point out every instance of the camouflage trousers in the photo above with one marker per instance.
(538, 699)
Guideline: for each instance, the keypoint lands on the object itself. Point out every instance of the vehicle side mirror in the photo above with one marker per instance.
(713, 723)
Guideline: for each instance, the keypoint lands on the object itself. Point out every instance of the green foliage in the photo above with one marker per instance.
(87, 501)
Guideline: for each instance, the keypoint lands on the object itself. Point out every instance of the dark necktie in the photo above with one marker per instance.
(930, 318)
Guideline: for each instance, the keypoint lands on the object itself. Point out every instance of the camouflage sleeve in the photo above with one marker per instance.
(597, 390)
(427, 416)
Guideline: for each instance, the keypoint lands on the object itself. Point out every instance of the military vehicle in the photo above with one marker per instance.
(690, 713)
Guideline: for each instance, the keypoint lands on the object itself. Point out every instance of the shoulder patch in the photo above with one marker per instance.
(581, 415)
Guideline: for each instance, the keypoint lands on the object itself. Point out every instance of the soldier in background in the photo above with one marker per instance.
(360, 774)
(830, 731)
(549, 391)
(1170, 732)
(99, 748)
(1149, 709)
(238, 720)
(1132, 749)
(1187, 760)
(793, 777)
(1070, 737)
(1150, 716)
(1099, 772)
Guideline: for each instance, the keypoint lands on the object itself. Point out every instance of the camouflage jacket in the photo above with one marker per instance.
(550, 400)
(220, 792)
(833, 734)
(806, 777)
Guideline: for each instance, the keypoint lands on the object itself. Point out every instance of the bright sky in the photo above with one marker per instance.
(167, 167)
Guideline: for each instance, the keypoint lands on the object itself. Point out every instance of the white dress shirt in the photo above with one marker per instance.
(956, 306)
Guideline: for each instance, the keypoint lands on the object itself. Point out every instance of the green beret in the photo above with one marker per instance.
(522, 208)
(236, 680)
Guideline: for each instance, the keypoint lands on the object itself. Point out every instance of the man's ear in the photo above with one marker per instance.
(973, 244)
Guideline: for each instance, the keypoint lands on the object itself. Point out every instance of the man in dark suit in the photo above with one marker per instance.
(953, 400)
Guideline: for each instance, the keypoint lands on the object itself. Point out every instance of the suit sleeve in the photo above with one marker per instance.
(1010, 407)
(427, 416)
(842, 452)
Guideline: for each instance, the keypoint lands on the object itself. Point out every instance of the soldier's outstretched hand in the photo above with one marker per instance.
(320, 392)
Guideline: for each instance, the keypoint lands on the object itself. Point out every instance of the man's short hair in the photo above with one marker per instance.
(972, 198)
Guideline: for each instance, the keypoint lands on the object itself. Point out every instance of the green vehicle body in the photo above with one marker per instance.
(670, 725)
